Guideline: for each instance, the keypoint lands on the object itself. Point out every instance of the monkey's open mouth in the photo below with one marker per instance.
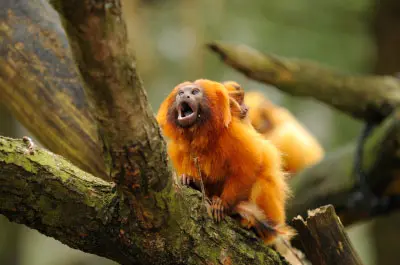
(187, 113)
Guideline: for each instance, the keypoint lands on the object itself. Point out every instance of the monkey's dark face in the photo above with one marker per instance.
(243, 110)
(188, 101)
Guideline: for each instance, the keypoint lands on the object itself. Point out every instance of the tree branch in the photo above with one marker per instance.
(40, 85)
(133, 148)
(47, 193)
(332, 180)
(324, 239)
(376, 96)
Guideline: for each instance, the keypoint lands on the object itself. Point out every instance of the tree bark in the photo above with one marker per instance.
(324, 239)
(47, 193)
(376, 96)
(39, 83)
(133, 148)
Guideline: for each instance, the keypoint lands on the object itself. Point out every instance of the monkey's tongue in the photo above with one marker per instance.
(185, 110)
(187, 113)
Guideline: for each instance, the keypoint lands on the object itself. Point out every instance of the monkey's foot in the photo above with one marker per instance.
(248, 222)
(217, 209)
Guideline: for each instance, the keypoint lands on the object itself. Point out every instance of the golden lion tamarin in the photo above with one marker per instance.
(241, 171)
(299, 147)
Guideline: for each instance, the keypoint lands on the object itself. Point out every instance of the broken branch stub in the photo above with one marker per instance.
(324, 239)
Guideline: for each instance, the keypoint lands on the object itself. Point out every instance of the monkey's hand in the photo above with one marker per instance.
(186, 179)
(190, 181)
(218, 209)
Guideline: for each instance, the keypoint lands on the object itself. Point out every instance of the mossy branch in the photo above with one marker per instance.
(47, 193)
(333, 179)
(375, 96)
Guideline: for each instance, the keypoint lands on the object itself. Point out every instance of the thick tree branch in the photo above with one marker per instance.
(375, 95)
(40, 85)
(133, 148)
(332, 180)
(47, 193)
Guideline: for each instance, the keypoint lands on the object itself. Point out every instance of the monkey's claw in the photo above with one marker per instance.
(217, 209)
(186, 179)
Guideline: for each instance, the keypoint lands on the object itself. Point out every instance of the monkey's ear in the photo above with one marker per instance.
(223, 99)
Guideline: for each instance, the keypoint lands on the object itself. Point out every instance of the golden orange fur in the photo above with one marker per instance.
(237, 165)
(299, 147)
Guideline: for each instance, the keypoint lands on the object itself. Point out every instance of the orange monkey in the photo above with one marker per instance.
(241, 171)
(299, 147)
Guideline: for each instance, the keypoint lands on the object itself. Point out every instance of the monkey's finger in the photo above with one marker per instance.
(216, 213)
(182, 179)
(187, 180)
(221, 211)
(209, 210)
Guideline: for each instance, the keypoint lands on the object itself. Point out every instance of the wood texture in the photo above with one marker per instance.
(324, 239)
(39, 83)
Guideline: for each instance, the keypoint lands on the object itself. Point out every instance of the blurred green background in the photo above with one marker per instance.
(168, 38)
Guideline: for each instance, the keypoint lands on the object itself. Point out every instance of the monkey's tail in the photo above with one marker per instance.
(253, 216)
(279, 235)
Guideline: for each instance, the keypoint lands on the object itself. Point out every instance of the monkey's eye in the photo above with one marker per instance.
(180, 93)
(195, 91)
